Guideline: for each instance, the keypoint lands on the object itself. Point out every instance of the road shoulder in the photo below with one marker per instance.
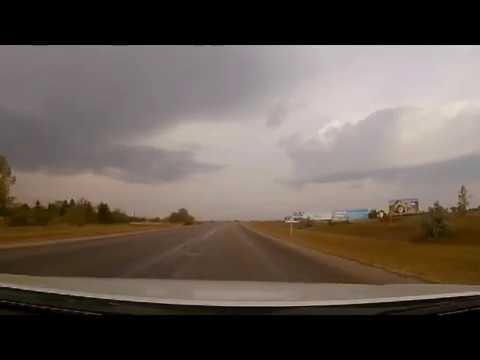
(364, 270)
(34, 243)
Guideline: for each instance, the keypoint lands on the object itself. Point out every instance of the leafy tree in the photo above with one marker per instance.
(463, 202)
(91, 214)
(88, 210)
(6, 180)
(20, 216)
(435, 222)
(181, 216)
(104, 215)
(40, 215)
(63, 208)
(76, 216)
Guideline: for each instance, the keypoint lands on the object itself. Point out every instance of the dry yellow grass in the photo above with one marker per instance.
(396, 246)
(25, 234)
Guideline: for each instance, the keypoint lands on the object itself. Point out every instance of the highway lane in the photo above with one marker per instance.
(210, 251)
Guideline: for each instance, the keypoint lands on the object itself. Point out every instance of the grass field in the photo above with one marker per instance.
(396, 246)
(25, 234)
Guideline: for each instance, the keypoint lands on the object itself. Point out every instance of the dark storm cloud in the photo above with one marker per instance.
(32, 147)
(462, 168)
(68, 109)
(372, 148)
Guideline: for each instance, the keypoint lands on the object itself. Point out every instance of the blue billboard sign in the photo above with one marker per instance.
(357, 214)
(350, 215)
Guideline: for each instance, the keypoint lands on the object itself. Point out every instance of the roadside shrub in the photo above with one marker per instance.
(435, 224)
(76, 216)
(41, 218)
(189, 222)
(20, 216)
(181, 216)
(308, 223)
(119, 217)
(305, 223)
(19, 219)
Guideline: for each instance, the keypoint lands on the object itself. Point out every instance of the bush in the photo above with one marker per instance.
(435, 223)
(20, 216)
(41, 217)
(19, 220)
(372, 214)
(189, 222)
(307, 223)
(119, 217)
(181, 216)
(76, 216)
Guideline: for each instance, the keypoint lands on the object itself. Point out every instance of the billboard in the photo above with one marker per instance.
(318, 216)
(340, 215)
(350, 215)
(357, 214)
(403, 206)
(298, 215)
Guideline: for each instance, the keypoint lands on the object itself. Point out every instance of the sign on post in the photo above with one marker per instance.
(291, 222)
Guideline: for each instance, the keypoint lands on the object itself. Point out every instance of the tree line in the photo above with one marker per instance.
(80, 212)
(74, 212)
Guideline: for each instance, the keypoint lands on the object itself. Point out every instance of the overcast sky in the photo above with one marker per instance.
(241, 132)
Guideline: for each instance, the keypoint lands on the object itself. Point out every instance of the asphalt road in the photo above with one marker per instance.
(210, 251)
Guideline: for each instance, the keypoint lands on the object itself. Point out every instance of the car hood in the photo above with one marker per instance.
(233, 293)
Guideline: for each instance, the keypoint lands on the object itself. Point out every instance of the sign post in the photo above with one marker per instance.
(291, 222)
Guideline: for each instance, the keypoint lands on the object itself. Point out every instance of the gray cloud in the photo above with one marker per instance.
(74, 109)
(380, 147)
(277, 115)
(463, 168)
(32, 147)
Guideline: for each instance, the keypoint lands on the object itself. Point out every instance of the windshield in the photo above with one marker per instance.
(290, 165)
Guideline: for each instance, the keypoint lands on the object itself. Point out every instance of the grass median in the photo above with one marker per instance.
(397, 246)
(30, 234)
